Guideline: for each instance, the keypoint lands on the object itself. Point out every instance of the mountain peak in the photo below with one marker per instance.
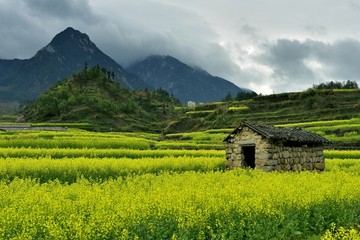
(70, 41)
(71, 35)
(185, 82)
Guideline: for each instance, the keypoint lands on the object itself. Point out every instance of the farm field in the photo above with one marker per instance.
(344, 133)
(86, 185)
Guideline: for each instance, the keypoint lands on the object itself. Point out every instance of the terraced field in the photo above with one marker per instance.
(284, 108)
(345, 134)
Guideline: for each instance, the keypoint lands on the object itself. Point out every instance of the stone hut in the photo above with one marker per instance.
(273, 148)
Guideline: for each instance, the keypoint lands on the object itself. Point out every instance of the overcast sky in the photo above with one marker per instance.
(268, 46)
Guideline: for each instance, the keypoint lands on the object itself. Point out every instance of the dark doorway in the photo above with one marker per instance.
(249, 156)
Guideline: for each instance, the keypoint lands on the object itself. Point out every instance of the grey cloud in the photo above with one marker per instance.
(341, 57)
(354, 5)
(75, 9)
(17, 30)
(27, 26)
(184, 34)
(286, 58)
(316, 29)
(289, 61)
(250, 31)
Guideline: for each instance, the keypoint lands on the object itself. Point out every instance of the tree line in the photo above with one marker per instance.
(336, 85)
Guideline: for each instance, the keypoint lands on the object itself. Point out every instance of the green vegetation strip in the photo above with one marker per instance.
(76, 142)
(239, 108)
(342, 154)
(199, 112)
(323, 123)
(57, 153)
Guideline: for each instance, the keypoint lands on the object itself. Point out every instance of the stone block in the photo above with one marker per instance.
(263, 155)
(236, 164)
(277, 168)
(319, 166)
(259, 162)
(266, 168)
(287, 167)
(299, 167)
(272, 162)
(319, 153)
(306, 166)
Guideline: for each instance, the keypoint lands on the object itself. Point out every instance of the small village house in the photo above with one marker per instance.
(272, 148)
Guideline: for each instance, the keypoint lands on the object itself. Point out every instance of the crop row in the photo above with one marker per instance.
(342, 154)
(75, 139)
(187, 145)
(237, 204)
(330, 123)
(57, 153)
(70, 169)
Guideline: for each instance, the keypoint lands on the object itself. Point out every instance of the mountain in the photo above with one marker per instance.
(184, 82)
(92, 97)
(23, 80)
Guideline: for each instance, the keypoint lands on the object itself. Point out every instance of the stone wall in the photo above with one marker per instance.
(273, 155)
(23, 127)
(289, 158)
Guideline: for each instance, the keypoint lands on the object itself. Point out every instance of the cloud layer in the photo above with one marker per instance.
(302, 63)
(267, 46)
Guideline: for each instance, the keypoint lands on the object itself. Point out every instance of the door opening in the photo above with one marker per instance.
(249, 156)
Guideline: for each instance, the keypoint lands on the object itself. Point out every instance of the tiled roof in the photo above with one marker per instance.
(281, 133)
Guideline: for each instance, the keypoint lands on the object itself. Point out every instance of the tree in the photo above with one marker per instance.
(244, 96)
(228, 98)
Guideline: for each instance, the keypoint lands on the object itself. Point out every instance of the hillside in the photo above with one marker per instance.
(68, 51)
(91, 96)
(185, 82)
(311, 105)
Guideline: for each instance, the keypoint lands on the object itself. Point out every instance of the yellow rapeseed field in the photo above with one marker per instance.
(122, 188)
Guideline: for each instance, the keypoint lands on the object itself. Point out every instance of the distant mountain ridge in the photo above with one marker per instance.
(70, 50)
(24, 80)
(184, 82)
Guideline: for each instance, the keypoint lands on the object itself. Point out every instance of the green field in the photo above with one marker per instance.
(86, 185)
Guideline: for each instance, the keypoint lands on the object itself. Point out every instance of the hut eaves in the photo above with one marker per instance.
(282, 133)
